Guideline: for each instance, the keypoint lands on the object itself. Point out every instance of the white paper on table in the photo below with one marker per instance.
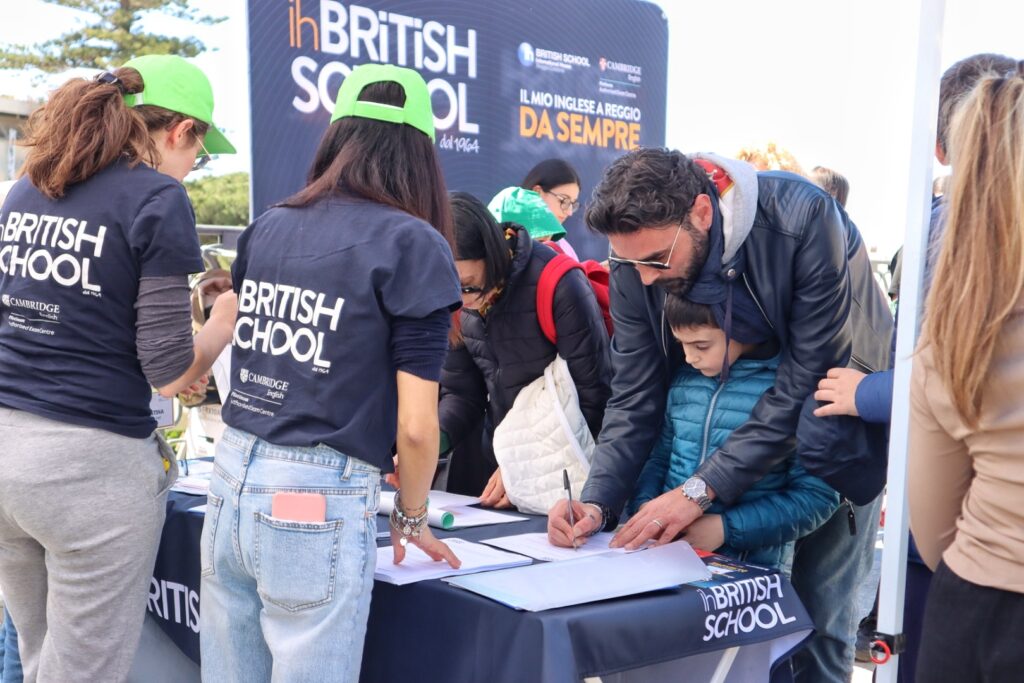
(537, 546)
(417, 565)
(589, 579)
(459, 514)
(193, 484)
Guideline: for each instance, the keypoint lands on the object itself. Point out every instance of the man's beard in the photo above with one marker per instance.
(682, 284)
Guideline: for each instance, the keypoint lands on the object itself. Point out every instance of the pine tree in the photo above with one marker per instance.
(112, 35)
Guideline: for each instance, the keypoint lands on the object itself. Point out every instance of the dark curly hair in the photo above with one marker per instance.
(644, 188)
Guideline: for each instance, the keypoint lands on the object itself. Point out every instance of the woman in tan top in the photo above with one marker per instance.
(966, 479)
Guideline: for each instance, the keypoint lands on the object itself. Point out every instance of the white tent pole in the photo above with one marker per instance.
(922, 146)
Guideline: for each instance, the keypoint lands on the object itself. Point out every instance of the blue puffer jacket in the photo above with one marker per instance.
(700, 415)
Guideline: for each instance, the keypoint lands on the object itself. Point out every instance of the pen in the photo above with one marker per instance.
(568, 495)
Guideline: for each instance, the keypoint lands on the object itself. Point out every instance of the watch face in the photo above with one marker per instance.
(694, 488)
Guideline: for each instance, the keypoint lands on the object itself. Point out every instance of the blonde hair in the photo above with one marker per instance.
(771, 157)
(979, 278)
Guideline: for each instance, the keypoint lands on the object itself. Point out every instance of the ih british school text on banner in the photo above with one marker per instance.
(512, 84)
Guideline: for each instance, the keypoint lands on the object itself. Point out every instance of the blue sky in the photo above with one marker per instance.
(828, 79)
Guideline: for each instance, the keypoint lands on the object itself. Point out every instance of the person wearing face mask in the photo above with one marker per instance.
(558, 184)
(97, 241)
(502, 348)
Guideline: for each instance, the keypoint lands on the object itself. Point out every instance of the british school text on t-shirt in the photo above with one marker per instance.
(283, 319)
(57, 248)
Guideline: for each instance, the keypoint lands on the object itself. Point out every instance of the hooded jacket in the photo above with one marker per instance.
(505, 349)
(701, 413)
(804, 263)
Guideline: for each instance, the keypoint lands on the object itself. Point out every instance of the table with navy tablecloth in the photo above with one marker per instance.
(744, 620)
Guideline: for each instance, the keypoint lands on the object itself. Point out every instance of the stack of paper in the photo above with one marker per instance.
(452, 511)
(538, 547)
(589, 579)
(417, 565)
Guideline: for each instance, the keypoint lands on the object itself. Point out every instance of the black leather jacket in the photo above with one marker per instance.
(808, 269)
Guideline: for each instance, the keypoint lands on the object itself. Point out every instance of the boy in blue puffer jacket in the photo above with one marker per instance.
(704, 405)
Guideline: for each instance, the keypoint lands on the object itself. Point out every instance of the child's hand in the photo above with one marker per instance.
(707, 533)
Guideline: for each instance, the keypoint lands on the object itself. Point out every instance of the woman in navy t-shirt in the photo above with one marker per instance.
(345, 293)
(97, 240)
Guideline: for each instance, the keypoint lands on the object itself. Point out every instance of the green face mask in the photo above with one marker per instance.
(416, 112)
(174, 84)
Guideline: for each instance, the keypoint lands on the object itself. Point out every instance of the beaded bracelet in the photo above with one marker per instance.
(408, 525)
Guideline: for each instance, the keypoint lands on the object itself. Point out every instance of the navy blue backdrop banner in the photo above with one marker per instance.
(511, 84)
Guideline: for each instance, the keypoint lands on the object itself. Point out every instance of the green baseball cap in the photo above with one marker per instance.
(180, 86)
(527, 208)
(416, 112)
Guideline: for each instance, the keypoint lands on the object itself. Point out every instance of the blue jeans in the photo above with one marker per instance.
(10, 662)
(829, 566)
(282, 598)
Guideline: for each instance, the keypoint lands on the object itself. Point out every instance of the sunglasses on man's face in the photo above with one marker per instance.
(656, 265)
(468, 289)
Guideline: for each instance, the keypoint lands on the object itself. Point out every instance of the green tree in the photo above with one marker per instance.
(112, 35)
(221, 200)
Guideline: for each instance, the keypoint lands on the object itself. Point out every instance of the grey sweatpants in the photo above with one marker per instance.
(81, 512)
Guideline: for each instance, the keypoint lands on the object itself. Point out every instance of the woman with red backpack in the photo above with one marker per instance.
(502, 347)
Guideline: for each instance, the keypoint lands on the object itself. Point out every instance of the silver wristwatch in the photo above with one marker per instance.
(696, 490)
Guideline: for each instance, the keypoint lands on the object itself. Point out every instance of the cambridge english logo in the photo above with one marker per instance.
(526, 54)
(603, 63)
(6, 299)
(243, 375)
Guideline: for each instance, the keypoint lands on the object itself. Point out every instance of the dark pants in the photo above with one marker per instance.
(829, 567)
(971, 633)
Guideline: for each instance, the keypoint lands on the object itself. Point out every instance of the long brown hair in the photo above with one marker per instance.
(86, 125)
(395, 165)
(979, 278)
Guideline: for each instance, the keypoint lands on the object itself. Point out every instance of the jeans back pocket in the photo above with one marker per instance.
(214, 503)
(296, 562)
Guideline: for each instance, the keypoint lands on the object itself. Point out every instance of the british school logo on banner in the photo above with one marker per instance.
(508, 87)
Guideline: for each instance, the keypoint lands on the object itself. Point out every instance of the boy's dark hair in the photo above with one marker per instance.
(644, 188)
(395, 165)
(549, 174)
(833, 182)
(681, 312)
(478, 236)
(960, 79)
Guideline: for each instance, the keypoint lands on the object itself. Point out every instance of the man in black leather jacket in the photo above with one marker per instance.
(774, 256)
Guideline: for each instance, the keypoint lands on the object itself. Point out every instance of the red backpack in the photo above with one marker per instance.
(597, 276)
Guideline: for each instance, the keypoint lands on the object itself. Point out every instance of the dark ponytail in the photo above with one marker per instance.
(86, 125)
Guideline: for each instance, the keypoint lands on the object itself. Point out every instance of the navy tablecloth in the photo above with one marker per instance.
(431, 631)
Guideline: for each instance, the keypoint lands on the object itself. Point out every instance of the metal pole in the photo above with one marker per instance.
(922, 145)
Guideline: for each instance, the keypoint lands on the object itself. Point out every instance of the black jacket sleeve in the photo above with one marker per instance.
(463, 395)
(583, 343)
(640, 378)
(816, 337)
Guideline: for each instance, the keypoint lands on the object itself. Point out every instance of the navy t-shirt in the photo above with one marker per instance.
(318, 288)
(69, 278)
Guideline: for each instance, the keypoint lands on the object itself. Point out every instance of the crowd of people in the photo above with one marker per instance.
(731, 374)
